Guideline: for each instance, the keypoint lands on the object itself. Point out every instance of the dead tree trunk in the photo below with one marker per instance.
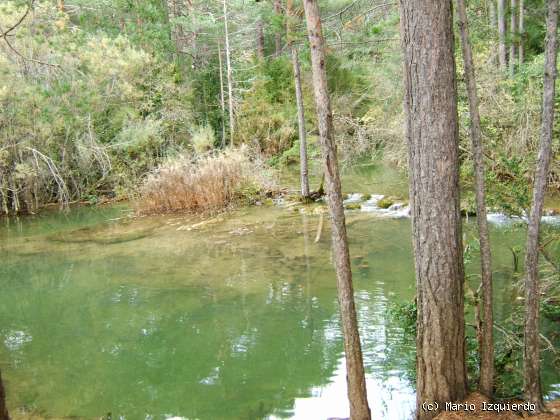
(513, 36)
(359, 409)
(531, 354)
(433, 139)
(502, 54)
(222, 96)
(229, 78)
(521, 28)
(304, 176)
(3, 409)
(486, 344)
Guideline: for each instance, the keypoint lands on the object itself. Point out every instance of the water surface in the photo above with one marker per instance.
(232, 318)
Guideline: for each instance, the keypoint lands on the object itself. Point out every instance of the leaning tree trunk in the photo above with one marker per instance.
(531, 354)
(513, 35)
(278, 34)
(502, 54)
(359, 409)
(3, 409)
(304, 176)
(229, 78)
(486, 341)
(433, 139)
(521, 30)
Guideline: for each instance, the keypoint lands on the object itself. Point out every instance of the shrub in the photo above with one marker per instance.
(203, 139)
(206, 184)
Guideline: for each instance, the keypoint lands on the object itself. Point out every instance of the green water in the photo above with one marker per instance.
(152, 318)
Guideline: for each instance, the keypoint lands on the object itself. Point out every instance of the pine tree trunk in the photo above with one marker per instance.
(521, 31)
(531, 355)
(222, 96)
(229, 78)
(304, 177)
(3, 409)
(502, 54)
(513, 34)
(433, 139)
(486, 344)
(359, 409)
(260, 40)
(278, 34)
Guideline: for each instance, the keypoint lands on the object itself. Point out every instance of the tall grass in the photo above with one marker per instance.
(207, 184)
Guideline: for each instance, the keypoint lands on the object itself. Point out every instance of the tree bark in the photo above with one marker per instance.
(513, 35)
(486, 344)
(222, 96)
(502, 54)
(304, 176)
(278, 34)
(260, 40)
(304, 173)
(521, 31)
(357, 395)
(229, 78)
(433, 139)
(531, 354)
(3, 409)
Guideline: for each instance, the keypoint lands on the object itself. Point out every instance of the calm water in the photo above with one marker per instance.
(159, 317)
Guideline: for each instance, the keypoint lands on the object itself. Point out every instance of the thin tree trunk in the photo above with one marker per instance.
(260, 40)
(521, 31)
(3, 409)
(229, 78)
(278, 34)
(493, 25)
(357, 395)
(513, 35)
(531, 355)
(304, 173)
(433, 139)
(60, 4)
(222, 101)
(502, 54)
(486, 344)
(304, 177)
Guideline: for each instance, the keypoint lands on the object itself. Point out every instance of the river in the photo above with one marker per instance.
(232, 318)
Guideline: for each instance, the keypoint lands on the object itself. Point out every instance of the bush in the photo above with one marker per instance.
(207, 184)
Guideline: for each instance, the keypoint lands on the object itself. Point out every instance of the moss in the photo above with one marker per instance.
(366, 197)
(353, 206)
(385, 202)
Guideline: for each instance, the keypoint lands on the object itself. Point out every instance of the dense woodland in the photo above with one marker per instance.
(159, 101)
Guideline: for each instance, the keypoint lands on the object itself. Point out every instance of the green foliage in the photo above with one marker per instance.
(97, 118)
(405, 314)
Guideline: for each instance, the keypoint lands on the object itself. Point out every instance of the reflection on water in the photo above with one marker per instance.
(168, 317)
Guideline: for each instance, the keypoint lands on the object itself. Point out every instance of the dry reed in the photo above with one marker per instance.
(207, 184)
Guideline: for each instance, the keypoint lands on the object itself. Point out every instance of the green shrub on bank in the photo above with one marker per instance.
(92, 114)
